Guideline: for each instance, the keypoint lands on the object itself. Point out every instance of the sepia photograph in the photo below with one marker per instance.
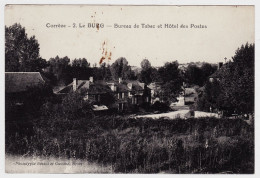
(129, 89)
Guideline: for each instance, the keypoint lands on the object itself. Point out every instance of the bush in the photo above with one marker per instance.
(72, 107)
(160, 106)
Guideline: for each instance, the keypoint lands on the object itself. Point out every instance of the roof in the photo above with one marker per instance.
(98, 87)
(190, 99)
(101, 86)
(189, 91)
(219, 73)
(155, 86)
(95, 87)
(136, 85)
(20, 81)
(100, 108)
(121, 87)
(69, 88)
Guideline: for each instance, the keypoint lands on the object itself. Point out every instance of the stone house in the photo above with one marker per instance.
(126, 93)
(18, 83)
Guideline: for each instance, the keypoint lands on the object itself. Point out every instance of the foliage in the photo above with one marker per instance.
(129, 145)
(102, 73)
(72, 107)
(60, 68)
(171, 81)
(145, 64)
(233, 91)
(210, 100)
(80, 69)
(36, 96)
(148, 73)
(120, 68)
(159, 106)
(238, 80)
(198, 75)
(21, 51)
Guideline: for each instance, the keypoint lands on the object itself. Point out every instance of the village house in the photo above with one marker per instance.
(217, 74)
(126, 93)
(18, 83)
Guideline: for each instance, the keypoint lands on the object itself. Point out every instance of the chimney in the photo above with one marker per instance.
(91, 79)
(120, 80)
(220, 64)
(113, 87)
(74, 84)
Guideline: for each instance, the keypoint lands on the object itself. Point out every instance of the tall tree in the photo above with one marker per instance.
(80, 69)
(194, 75)
(238, 81)
(235, 93)
(60, 68)
(146, 72)
(145, 64)
(21, 51)
(171, 81)
(120, 68)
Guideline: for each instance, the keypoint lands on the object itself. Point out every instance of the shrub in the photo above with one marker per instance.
(160, 106)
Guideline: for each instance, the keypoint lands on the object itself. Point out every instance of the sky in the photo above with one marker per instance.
(228, 27)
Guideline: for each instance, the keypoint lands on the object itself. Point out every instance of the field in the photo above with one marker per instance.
(126, 145)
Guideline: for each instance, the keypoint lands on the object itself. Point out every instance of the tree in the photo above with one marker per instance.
(21, 51)
(194, 75)
(145, 64)
(146, 72)
(210, 100)
(233, 92)
(120, 68)
(60, 68)
(104, 71)
(238, 80)
(171, 81)
(80, 69)
(72, 107)
(207, 69)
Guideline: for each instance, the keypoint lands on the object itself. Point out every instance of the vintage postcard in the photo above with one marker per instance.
(129, 89)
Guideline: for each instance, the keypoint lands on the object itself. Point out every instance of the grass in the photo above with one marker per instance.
(129, 145)
(30, 164)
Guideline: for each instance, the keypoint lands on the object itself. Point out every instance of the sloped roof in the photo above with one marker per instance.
(121, 87)
(155, 86)
(220, 72)
(69, 88)
(95, 87)
(20, 81)
(98, 87)
(189, 91)
(136, 85)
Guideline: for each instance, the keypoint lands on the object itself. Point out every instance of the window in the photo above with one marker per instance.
(119, 95)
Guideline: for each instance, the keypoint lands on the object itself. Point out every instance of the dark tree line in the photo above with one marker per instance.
(233, 90)
(195, 75)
